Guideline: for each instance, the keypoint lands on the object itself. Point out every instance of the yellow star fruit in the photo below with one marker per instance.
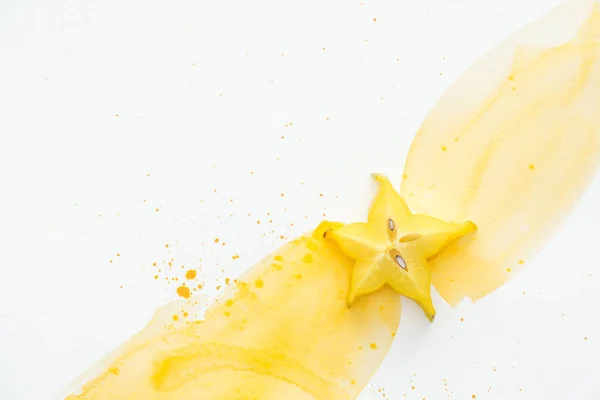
(393, 247)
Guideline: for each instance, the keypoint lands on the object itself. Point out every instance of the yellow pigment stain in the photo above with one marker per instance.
(551, 120)
(266, 348)
(191, 274)
(308, 258)
(311, 246)
(183, 291)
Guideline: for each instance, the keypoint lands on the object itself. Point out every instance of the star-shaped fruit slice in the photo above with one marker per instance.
(393, 247)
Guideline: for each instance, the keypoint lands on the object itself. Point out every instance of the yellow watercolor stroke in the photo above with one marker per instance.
(286, 331)
(511, 146)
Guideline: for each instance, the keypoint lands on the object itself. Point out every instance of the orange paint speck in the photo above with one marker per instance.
(183, 291)
(191, 274)
(167, 246)
(216, 240)
(308, 258)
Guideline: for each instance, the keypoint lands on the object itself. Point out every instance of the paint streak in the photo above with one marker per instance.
(520, 136)
(271, 340)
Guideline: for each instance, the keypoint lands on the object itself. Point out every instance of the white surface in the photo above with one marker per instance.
(203, 91)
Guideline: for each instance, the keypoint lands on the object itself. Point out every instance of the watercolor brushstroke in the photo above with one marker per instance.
(510, 146)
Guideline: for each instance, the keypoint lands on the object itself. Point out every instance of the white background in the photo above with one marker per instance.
(197, 94)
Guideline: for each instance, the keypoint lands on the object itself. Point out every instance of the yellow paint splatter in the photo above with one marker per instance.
(183, 291)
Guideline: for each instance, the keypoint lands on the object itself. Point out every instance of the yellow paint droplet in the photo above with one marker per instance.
(308, 258)
(444, 148)
(259, 283)
(278, 258)
(508, 269)
(373, 346)
(183, 291)
(216, 240)
(229, 303)
(191, 274)
(521, 262)
(175, 318)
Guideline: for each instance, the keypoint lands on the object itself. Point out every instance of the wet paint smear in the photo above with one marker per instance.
(510, 147)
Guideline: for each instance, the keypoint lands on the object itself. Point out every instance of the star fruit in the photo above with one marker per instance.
(393, 247)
